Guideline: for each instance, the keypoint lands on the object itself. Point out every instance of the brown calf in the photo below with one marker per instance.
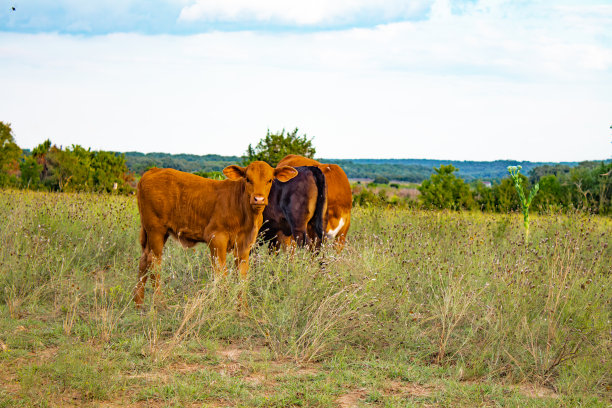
(225, 214)
(339, 196)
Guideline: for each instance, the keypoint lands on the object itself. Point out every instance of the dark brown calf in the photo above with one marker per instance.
(225, 214)
(295, 207)
(339, 196)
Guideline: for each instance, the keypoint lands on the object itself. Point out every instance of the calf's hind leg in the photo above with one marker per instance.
(301, 211)
(301, 237)
(150, 263)
(143, 266)
(157, 243)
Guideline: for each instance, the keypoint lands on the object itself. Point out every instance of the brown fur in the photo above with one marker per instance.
(225, 214)
(339, 196)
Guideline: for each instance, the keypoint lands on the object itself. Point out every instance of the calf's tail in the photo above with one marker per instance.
(319, 219)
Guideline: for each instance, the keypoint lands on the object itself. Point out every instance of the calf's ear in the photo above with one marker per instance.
(285, 173)
(234, 172)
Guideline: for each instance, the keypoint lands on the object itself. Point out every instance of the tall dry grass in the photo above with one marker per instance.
(460, 290)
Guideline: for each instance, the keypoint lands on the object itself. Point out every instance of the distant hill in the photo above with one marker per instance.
(140, 162)
(417, 170)
(410, 170)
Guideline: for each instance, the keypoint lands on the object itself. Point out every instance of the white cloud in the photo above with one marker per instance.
(300, 12)
(440, 10)
(480, 84)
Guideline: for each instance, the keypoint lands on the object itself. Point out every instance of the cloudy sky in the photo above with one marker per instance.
(440, 79)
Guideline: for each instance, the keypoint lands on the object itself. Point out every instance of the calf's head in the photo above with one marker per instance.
(258, 178)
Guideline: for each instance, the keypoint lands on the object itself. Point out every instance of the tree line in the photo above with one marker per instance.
(409, 170)
(417, 170)
(586, 187)
(276, 145)
(563, 186)
(52, 168)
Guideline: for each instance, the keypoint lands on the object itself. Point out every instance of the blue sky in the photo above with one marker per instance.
(191, 17)
(468, 80)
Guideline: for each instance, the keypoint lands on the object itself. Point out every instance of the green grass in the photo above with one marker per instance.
(420, 309)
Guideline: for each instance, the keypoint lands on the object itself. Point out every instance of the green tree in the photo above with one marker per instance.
(40, 154)
(68, 170)
(591, 186)
(78, 169)
(30, 173)
(445, 190)
(506, 197)
(558, 170)
(485, 197)
(110, 172)
(552, 196)
(275, 146)
(9, 154)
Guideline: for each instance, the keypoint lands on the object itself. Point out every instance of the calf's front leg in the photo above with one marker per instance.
(241, 260)
(218, 254)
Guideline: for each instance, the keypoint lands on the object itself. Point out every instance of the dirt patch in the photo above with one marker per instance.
(138, 404)
(307, 370)
(411, 389)
(236, 361)
(232, 353)
(182, 367)
(230, 366)
(151, 376)
(154, 403)
(289, 367)
(69, 399)
(230, 370)
(214, 404)
(10, 386)
(8, 372)
(536, 391)
(164, 374)
(258, 379)
(527, 389)
(47, 354)
(352, 398)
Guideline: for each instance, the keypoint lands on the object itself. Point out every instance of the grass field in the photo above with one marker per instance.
(431, 309)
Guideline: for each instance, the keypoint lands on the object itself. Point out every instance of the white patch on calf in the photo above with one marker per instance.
(331, 234)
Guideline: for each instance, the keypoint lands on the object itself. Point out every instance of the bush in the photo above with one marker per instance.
(444, 190)
(381, 180)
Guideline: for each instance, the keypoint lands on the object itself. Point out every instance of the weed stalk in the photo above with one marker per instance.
(525, 202)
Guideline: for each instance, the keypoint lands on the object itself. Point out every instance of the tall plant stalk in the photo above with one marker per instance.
(525, 202)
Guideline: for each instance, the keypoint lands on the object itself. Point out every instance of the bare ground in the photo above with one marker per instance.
(233, 361)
